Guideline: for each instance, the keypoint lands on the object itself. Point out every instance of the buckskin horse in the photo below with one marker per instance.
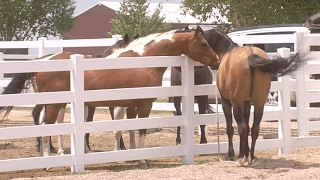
(171, 43)
(243, 78)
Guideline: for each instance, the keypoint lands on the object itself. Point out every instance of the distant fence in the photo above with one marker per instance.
(306, 92)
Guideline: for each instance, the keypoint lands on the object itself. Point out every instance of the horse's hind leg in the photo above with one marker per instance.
(238, 113)
(258, 113)
(247, 108)
(177, 105)
(202, 104)
(91, 111)
(226, 106)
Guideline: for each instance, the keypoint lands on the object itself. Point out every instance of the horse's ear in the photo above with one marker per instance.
(126, 38)
(136, 36)
(199, 30)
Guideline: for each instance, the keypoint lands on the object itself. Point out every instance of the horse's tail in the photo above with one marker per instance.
(209, 109)
(15, 87)
(278, 66)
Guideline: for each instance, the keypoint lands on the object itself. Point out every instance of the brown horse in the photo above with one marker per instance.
(171, 43)
(38, 108)
(202, 75)
(243, 78)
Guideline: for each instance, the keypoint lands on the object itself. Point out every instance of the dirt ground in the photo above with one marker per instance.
(302, 163)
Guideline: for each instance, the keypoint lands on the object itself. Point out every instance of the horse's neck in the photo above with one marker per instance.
(170, 48)
(224, 48)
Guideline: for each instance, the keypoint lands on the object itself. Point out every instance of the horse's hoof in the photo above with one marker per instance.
(249, 160)
(48, 169)
(203, 141)
(53, 150)
(61, 152)
(241, 161)
(229, 158)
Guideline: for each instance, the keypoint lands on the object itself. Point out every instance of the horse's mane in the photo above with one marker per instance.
(139, 43)
(221, 39)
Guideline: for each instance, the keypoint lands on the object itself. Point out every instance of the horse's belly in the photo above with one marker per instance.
(121, 103)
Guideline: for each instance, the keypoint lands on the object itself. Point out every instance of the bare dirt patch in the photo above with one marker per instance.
(302, 163)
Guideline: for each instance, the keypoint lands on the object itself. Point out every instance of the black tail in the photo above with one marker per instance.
(278, 66)
(14, 87)
(209, 109)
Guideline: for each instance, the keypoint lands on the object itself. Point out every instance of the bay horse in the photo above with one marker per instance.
(38, 108)
(244, 77)
(11, 89)
(202, 75)
(171, 43)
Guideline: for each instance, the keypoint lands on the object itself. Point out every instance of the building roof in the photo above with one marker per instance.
(171, 11)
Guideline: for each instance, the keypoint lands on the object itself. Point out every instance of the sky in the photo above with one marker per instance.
(82, 5)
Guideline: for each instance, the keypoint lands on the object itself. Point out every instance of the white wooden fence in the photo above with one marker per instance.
(305, 88)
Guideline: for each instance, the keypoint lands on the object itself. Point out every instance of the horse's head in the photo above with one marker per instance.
(199, 49)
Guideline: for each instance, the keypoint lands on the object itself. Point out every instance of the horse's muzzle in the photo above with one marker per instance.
(214, 66)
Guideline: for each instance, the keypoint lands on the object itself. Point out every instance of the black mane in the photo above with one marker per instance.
(219, 41)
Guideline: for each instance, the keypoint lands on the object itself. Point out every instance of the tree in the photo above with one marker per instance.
(243, 13)
(134, 17)
(22, 19)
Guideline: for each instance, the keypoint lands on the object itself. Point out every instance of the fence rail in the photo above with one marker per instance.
(302, 85)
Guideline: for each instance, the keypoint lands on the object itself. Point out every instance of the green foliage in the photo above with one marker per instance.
(244, 13)
(22, 19)
(134, 17)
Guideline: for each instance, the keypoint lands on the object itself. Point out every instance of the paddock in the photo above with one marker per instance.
(295, 137)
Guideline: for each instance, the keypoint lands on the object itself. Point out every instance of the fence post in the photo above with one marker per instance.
(187, 82)
(301, 89)
(77, 112)
(284, 128)
(42, 49)
(1, 59)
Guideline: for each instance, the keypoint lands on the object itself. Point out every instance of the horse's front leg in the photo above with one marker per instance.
(132, 113)
(89, 118)
(119, 113)
(143, 112)
(177, 105)
(226, 106)
(50, 116)
(60, 119)
(203, 103)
